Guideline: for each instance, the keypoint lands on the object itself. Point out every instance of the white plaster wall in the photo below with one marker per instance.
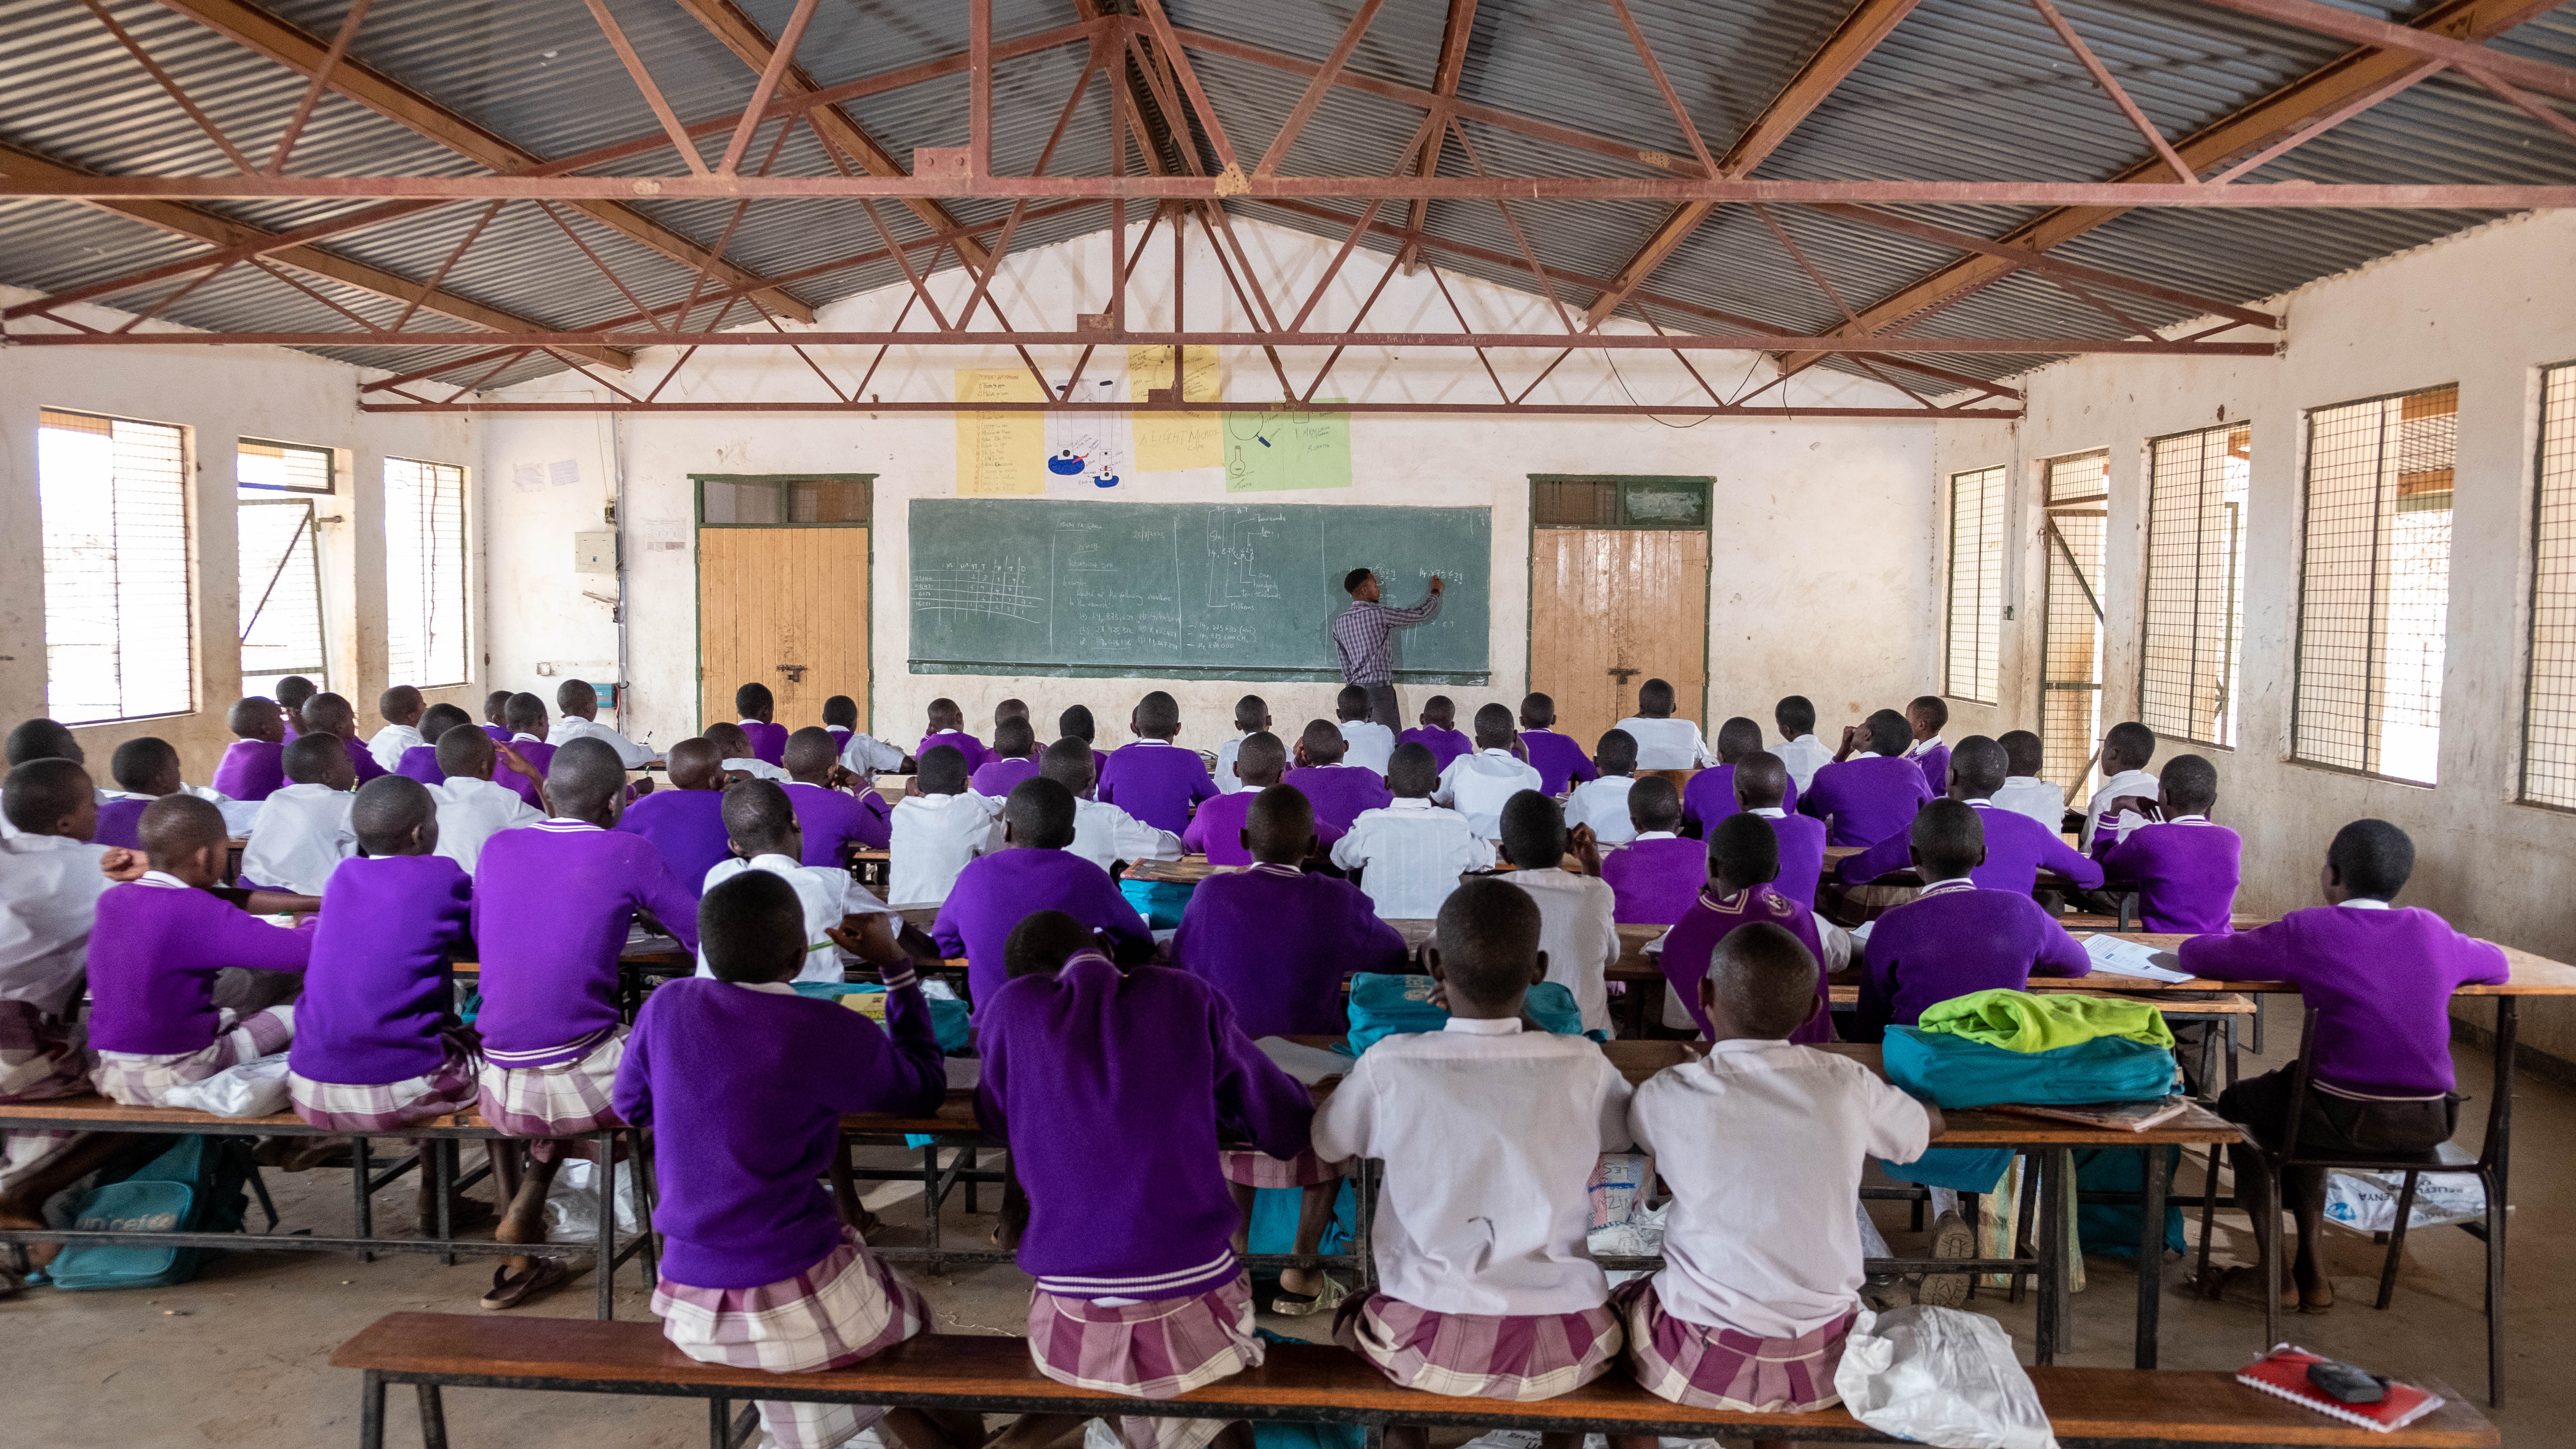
(219, 395)
(2486, 309)
(1789, 567)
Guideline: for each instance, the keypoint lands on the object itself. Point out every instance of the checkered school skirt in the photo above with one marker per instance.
(41, 1057)
(1260, 1169)
(363, 1111)
(563, 1100)
(142, 1081)
(1158, 1349)
(1480, 1355)
(845, 1308)
(1718, 1368)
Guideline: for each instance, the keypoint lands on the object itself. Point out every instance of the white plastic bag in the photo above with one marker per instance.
(1943, 1377)
(2366, 1202)
(254, 1088)
(1641, 1236)
(572, 1203)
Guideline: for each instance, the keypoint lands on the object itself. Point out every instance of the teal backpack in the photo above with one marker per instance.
(195, 1187)
(1387, 1005)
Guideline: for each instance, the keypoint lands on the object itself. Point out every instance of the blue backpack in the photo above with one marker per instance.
(947, 1015)
(1386, 1005)
(195, 1187)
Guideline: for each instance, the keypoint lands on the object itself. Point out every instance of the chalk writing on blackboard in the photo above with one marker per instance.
(999, 590)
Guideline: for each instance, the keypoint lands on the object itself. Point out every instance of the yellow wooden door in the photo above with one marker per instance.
(1611, 608)
(785, 607)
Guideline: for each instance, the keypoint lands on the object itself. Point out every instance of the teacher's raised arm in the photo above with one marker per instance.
(1361, 633)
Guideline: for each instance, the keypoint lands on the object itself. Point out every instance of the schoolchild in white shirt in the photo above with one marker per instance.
(472, 806)
(1370, 744)
(401, 707)
(1664, 741)
(1102, 833)
(2126, 749)
(740, 761)
(577, 718)
(1410, 854)
(1602, 805)
(1799, 749)
(2023, 791)
(939, 825)
(840, 914)
(303, 830)
(1578, 909)
(1476, 785)
(1251, 717)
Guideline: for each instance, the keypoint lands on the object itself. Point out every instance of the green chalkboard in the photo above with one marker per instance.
(1186, 590)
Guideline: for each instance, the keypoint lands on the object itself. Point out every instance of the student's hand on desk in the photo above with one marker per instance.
(841, 779)
(869, 938)
(121, 864)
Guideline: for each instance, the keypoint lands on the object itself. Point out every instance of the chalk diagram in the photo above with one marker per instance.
(999, 590)
(1233, 544)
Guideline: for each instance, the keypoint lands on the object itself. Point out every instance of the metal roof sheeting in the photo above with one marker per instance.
(1962, 89)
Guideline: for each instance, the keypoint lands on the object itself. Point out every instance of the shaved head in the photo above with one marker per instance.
(43, 739)
(1763, 980)
(42, 795)
(526, 715)
(810, 754)
(467, 752)
(586, 781)
(1039, 814)
(256, 718)
(1067, 762)
(1487, 939)
(395, 815)
(1323, 742)
(1412, 771)
(942, 769)
(1737, 738)
(696, 764)
(759, 819)
(1978, 765)
(730, 741)
(1280, 825)
(176, 826)
(1761, 781)
(1043, 941)
(1261, 758)
(330, 714)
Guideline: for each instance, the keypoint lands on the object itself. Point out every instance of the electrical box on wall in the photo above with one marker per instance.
(594, 551)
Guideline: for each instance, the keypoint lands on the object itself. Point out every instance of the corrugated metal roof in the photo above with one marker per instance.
(1963, 89)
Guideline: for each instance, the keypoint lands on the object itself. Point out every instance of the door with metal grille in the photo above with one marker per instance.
(2075, 520)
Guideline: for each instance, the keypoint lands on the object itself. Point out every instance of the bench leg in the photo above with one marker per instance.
(439, 1160)
(719, 1423)
(930, 1204)
(433, 1418)
(2151, 1256)
(2396, 1240)
(648, 1193)
(361, 1173)
(2057, 1309)
(2494, 1184)
(371, 1411)
(607, 1190)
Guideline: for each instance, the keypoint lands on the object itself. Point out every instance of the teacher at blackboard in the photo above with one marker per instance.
(1362, 634)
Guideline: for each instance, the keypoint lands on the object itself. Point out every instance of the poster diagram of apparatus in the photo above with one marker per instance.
(1090, 449)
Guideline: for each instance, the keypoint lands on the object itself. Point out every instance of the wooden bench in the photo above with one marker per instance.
(1299, 1383)
(100, 1114)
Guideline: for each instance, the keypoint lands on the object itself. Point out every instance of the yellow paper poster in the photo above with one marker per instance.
(1167, 442)
(1000, 452)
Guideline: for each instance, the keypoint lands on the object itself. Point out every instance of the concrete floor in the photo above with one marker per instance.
(238, 1356)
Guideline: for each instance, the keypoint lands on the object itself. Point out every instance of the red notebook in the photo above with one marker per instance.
(2284, 1371)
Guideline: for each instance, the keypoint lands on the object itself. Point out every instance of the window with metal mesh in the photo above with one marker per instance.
(425, 601)
(2549, 711)
(281, 595)
(262, 468)
(2195, 610)
(2375, 588)
(1976, 587)
(119, 627)
(2070, 689)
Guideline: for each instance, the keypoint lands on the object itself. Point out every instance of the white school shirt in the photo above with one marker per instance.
(570, 727)
(2127, 782)
(827, 895)
(2037, 798)
(239, 815)
(867, 756)
(1223, 774)
(1367, 744)
(1915, 750)
(49, 889)
(759, 769)
(1489, 1135)
(472, 811)
(388, 744)
(1762, 1144)
(1479, 785)
(1104, 834)
(1667, 744)
(1410, 855)
(301, 837)
(933, 837)
(1804, 756)
(1603, 805)
(1578, 929)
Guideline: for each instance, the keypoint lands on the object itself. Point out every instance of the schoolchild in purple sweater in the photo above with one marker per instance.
(759, 709)
(1743, 864)
(1277, 944)
(1439, 732)
(1658, 873)
(1014, 758)
(1710, 795)
(1925, 718)
(1115, 1091)
(496, 714)
(835, 820)
(254, 764)
(154, 954)
(2379, 976)
(376, 1046)
(1217, 830)
(1340, 792)
(948, 727)
(1954, 938)
(1153, 779)
(685, 819)
(2182, 864)
(330, 714)
(1559, 759)
(1866, 798)
(1032, 872)
(742, 1084)
(526, 717)
(293, 691)
(552, 906)
(1762, 786)
(420, 762)
(2018, 848)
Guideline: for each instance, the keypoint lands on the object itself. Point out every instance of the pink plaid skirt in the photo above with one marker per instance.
(1260, 1169)
(1156, 1349)
(142, 1081)
(564, 1100)
(1479, 1355)
(364, 1111)
(845, 1308)
(41, 1057)
(1718, 1368)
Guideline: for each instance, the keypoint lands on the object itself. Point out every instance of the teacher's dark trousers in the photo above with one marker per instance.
(1383, 708)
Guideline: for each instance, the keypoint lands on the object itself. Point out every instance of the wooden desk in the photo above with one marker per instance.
(1188, 870)
(1634, 964)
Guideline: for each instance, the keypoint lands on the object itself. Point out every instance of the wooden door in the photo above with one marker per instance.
(785, 607)
(1611, 608)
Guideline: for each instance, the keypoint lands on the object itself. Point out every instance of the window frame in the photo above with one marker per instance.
(2533, 599)
(330, 465)
(2096, 504)
(1990, 623)
(2235, 628)
(867, 482)
(320, 670)
(464, 569)
(188, 528)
